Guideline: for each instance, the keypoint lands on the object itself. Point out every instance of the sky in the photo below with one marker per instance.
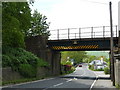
(77, 13)
(64, 14)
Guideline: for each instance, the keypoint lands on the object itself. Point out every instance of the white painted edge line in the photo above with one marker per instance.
(27, 82)
(94, 81)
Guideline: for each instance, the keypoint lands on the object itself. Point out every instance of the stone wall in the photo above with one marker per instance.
(42, 72)
(38, 46)
(8, 74)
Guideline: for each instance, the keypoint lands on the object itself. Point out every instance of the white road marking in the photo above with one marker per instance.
(74, 78)
(94, 81)
(57, 84)
(69, 80)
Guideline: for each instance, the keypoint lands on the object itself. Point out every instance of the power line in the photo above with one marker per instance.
(96, 2)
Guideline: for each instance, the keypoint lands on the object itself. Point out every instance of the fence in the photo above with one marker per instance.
(85, 32)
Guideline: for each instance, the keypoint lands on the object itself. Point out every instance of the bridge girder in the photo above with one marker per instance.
(87, 44)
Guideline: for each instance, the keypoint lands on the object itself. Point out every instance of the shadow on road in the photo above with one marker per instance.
(86, 77)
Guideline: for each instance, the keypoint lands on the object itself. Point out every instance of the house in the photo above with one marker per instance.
(98, 64)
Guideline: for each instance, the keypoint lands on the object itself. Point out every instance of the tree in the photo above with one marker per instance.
(18, 10)
(16, 19)
(39, 25)
(78, 56)
(91, 58)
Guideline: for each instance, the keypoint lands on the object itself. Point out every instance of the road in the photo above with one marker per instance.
(80, 79)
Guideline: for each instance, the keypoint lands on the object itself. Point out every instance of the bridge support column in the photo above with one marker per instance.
(117, 72)
(111, 68)
(117, 65)
(56, 58)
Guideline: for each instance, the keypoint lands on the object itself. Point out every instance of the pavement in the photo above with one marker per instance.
(103, 81)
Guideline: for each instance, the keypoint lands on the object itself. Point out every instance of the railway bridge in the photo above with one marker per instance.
(82, 39)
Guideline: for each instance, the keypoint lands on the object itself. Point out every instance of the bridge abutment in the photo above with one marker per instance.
(38, 46)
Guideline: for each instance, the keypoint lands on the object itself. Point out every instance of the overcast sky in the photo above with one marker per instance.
(77, 13)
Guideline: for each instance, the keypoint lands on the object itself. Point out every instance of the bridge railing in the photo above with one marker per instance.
(86, 32)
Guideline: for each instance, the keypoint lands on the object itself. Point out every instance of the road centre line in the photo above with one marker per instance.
(69, 80)
(94, 81)
(58, 84)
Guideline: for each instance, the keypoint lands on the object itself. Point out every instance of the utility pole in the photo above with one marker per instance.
(111, 44)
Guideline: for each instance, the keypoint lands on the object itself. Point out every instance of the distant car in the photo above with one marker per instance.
(80, 65)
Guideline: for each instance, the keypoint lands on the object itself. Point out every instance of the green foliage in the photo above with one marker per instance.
(13, 38)
(6, 61)
(16, 19)
(39, 25)
(41, 63)
(99, 69)
(91, 58)
(19, 11)
(78, 56)
(91, 67)
(27, 70)
(18, 23)
(21, 60)
(107, 60)
(66, 63)
(117, 86)
(106, 70)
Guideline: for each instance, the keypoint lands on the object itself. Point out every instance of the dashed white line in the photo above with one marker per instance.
(58, 84)
(69, 80)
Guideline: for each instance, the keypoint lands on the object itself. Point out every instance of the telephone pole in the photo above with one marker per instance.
(111, 44)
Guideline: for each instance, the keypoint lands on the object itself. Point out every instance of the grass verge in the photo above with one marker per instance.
(117, 86)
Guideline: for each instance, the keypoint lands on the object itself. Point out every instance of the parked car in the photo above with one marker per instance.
(80, 65)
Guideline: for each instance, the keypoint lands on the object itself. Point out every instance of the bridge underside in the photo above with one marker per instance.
(87, 44)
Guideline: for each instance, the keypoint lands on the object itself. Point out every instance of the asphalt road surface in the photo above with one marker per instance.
(80, 79)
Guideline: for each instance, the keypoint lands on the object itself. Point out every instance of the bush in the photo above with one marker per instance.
(6, 61)
(91, 67)
(21, 60)
(106, 70)
(27, 70)
(41, 63)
